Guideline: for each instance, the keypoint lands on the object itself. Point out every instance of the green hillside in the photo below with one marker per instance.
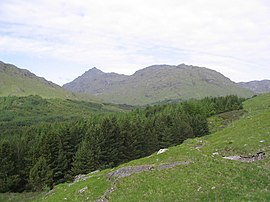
(20, 82)
(193, 171)
(155, 84)
(29, 110)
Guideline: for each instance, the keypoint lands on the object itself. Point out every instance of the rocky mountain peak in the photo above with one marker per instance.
(94, 70)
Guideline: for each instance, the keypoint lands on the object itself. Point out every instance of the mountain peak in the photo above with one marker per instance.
(95, 70)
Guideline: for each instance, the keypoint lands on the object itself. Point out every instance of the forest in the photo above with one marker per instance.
(36, 157)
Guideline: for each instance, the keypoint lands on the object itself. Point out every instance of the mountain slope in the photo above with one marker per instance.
(206, 175)
(156, 83)
(20, 82)
(257, 86)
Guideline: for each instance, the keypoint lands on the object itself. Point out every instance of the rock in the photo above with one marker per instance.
(236, 158)
(96, 171)
(78, 178)
(81, 191)
(162, 151)
(248, 159)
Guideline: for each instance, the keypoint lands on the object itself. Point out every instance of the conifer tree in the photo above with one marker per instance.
(84, 159)
(110, 133)
(9, 177)
(40, 176)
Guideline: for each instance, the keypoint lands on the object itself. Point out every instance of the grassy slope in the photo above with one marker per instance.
(34, 109)
(20, 82)
(207, 178)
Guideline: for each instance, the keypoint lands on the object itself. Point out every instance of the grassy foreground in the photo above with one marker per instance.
(208, 177)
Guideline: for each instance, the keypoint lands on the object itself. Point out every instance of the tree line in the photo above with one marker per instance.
(41, 156)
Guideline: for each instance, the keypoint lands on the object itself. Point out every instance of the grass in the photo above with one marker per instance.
(21, 197)
(221, 121)
(208, 177)
(66, 192)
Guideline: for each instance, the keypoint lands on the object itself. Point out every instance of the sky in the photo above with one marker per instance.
(61, 39)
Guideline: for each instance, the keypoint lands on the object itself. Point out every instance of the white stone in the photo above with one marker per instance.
(162, 151)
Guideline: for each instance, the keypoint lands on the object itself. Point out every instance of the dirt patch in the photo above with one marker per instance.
(129, 170)
(248, 159)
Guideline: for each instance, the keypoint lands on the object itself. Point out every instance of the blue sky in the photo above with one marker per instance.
(61, 39)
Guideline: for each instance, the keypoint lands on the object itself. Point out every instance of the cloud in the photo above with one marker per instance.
(231, 36)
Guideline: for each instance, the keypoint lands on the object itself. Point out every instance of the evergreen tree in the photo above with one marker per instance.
(40, 176)
(130, 140)
(151, 143)
(61, 169)
(84, 159)
(9, 177)
(110, 133)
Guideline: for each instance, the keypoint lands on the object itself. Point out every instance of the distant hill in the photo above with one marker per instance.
(257, 86)
(21, 82)
(155, 84)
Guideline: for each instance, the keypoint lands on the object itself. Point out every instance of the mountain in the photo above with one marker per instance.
(21, 82)
(257, 86)
(229, 165)
(156, 84)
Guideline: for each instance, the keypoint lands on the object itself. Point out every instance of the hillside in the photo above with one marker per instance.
(21, 82)
(27, 111)
(193, 171)
(257, 86)
(156, 84)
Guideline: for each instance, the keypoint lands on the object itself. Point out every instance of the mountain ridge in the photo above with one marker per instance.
(156, 83)
(257, 86)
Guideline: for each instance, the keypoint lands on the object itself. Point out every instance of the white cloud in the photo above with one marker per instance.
(231, 36)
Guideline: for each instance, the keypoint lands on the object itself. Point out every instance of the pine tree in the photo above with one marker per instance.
(61, 168)
(109, 134)
(9, 177)
(130, 140)
(84, 159)
(40, 176)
